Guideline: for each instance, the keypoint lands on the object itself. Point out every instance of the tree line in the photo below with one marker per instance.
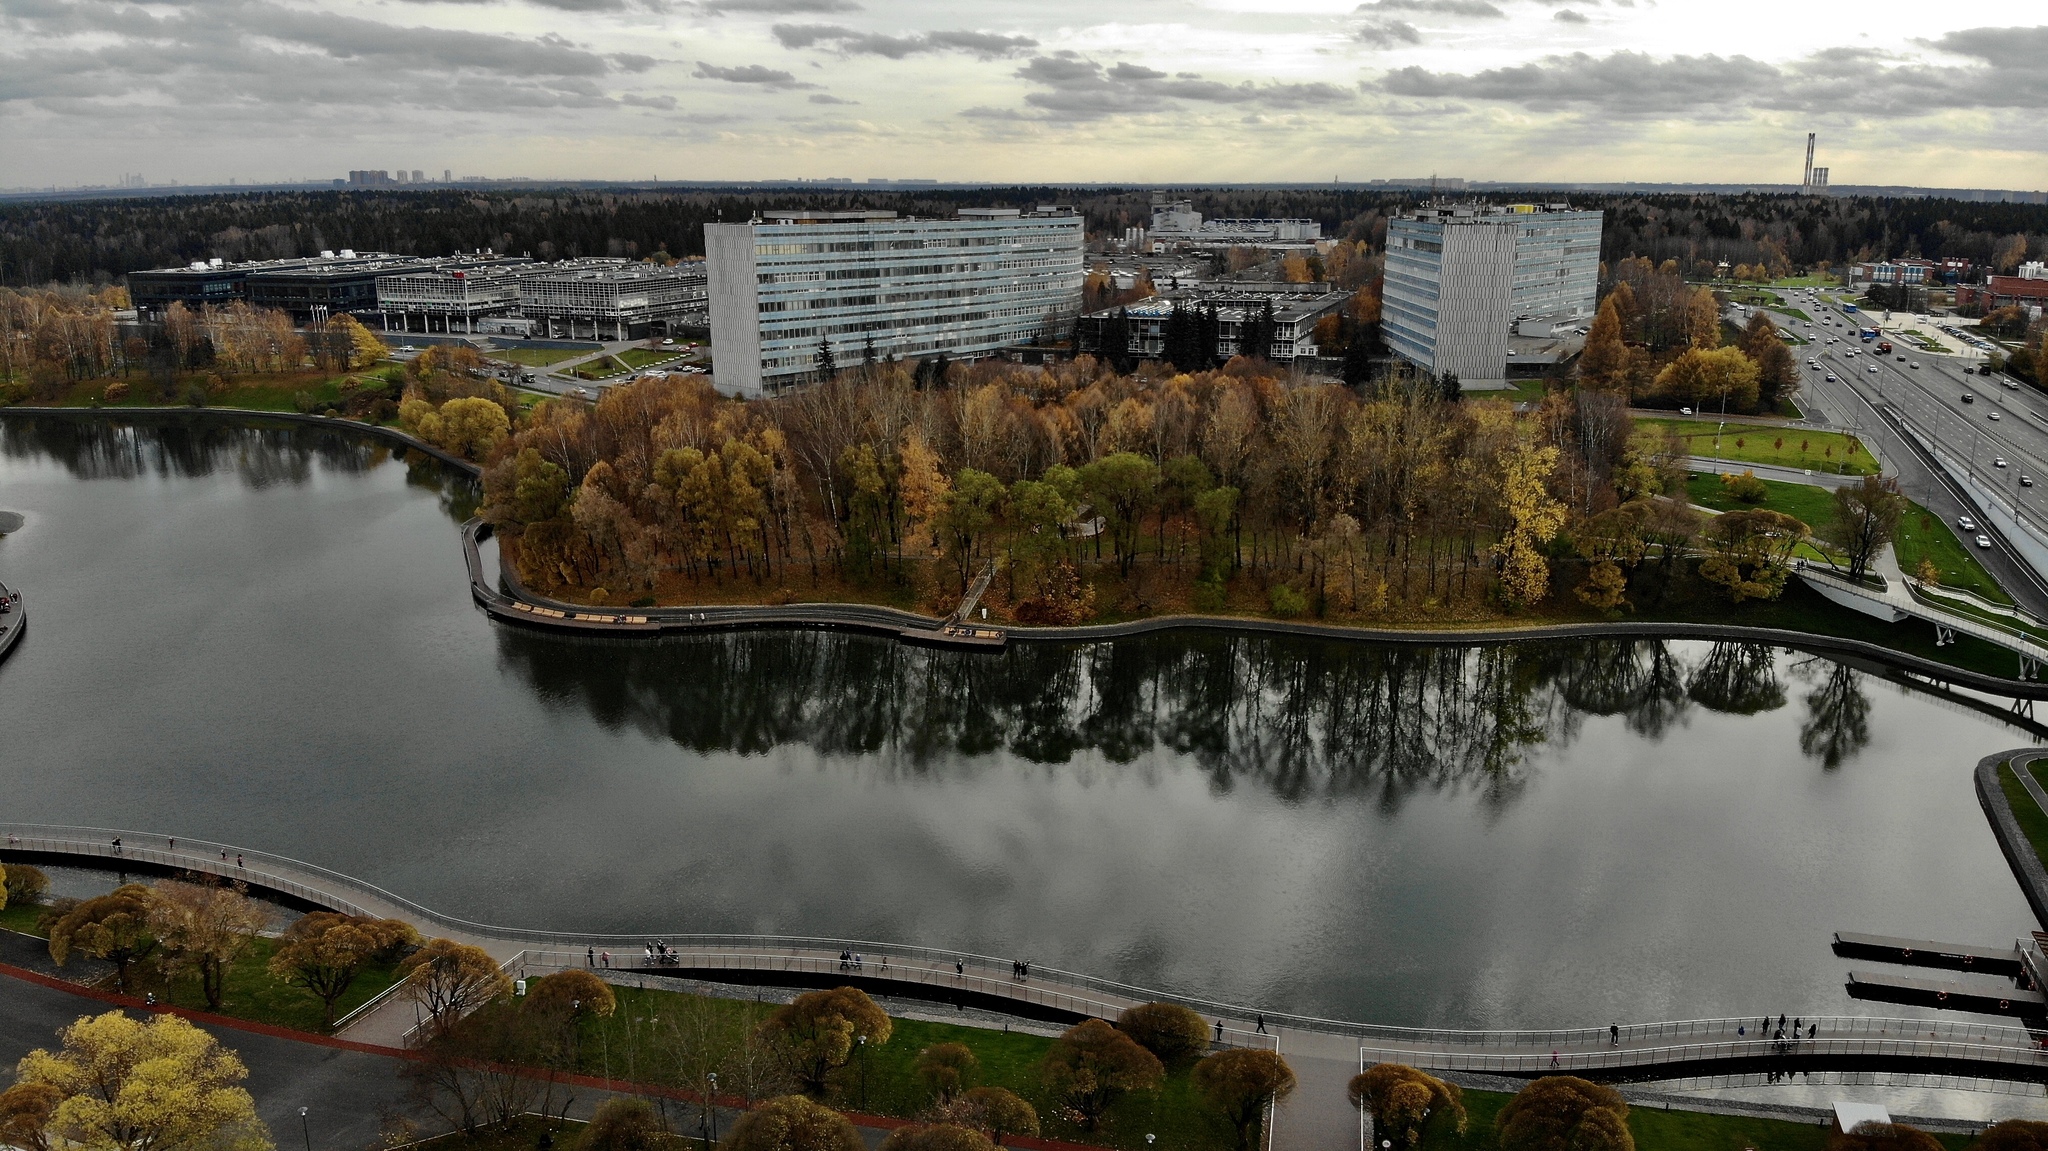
(100, 240)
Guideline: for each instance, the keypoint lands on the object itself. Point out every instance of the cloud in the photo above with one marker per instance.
(1632, 85)
(776, 7)
(662, 103)
(1476, 9)
(852, 42)
(632, 62)
(1568, 16)
(827, 98)
(1387, 33)
(1080, 88)
(757, 74)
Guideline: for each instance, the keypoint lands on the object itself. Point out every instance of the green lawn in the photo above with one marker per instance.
(20, 917)
(1812, 506)
(1765, 444)
(1924, 535)
(628, 1044)
(648, 357)
(536, 357)
(599, 369)
(2025, 812)
(1658, 1130)
(1523, 392)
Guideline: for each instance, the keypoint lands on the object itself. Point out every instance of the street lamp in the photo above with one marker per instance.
(863, 1041)
(305, 1129)
(711, 1104)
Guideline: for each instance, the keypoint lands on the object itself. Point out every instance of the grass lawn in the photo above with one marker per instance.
(20, 917)
(1523, 392)
(648, 357)
(599, 369)
(1659, 1130)
(2025, 812)
(1812, 506)
(536, 357)
(629, 1044)
(1765, 444)
(1924, 535)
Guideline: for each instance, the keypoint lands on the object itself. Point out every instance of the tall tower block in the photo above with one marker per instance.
(1806, 179)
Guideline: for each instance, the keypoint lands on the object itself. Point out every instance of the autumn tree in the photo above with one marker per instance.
(1403, 1100)
(1533, 517)
(994, 1110)
(1174, 1033)
(1777, 373)
(22, 884)
(2013, 1135)
(1604, 363)
(816, 1033)
(25, 1113)
(1719, 377)
(115, 927)
(574, 993)
(323, 952)
(159, 1085)
(1242, 1083)
(449, 980)
(1883, 1137)
(1750, 552)
(1092, 1065)
(1866, 519)
(936, 1137)
(472, 426)
(1702, 320)
(1565, 1113)
(204, 928)
(793, 1123)
(946, 1069)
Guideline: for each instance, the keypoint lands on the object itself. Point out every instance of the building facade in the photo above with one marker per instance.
(612, 298)
(310, 288)
(785, 286)
(1463, 283)
(452, 295)
(1296, 308)
(1177, 224)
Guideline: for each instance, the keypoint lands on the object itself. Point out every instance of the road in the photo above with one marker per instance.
(1930, 398)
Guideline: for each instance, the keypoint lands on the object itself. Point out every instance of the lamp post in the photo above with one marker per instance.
(305, 1129)
(863, 1043)
(711, 1104)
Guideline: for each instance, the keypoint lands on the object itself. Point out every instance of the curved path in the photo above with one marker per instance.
(13, 619)
(1640, 1051)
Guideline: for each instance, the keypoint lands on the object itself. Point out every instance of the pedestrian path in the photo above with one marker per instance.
(1891, 597)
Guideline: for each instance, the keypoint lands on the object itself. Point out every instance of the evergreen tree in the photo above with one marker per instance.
(826, 367)
(867, 353)
(1357, 367)
(1116, 342)
(1183, 340)
(1209, 337)
(1450, 386)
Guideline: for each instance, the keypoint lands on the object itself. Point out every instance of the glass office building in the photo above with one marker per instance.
(785, 285)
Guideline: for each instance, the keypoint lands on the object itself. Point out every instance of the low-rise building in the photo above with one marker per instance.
(1295, 310)
(613, 298)
(1176, 224)
(310, 288)
(452, 295)
(2004, 291)
(792, 283)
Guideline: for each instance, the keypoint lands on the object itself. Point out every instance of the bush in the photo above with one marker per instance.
(1210, 594)
(25, 884)
(1287, 603)
(624, 1124)
(1565, 1111)
(117, 391)
(195, 395)
(1746, 487)
(793, 1123)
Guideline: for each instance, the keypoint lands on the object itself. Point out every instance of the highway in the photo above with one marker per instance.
(1930, 398)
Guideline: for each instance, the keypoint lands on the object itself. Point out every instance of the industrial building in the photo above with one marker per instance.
(786, 284)
(310, 288)
(1176, 224)
(1472, 289)
(452, 295)
(1296, 308)
(612, 298)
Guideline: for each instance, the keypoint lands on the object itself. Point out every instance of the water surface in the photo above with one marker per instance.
(264, 636)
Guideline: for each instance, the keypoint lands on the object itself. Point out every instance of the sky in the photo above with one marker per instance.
(1052, 91)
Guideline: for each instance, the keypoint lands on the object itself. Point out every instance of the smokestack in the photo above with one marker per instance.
(1806, 180)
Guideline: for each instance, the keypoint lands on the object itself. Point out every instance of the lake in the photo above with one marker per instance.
(265, 636)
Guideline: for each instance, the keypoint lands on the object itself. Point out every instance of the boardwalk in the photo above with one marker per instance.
(13, 619)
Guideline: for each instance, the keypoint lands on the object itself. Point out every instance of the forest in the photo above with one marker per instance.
(99, 241)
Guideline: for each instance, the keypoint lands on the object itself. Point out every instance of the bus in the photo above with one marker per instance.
(1868, 334)
(1850, 308)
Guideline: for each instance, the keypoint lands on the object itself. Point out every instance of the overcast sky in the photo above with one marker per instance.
(1047, 91)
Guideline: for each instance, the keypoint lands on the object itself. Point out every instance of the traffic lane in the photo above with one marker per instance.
(1972, 438)
(2015, 435)
(1923, 486)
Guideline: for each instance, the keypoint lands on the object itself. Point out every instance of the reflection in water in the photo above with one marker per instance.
(261, 453)
(1300, 719)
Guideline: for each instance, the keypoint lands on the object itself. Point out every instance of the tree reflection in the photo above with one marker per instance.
(261, 453)
(1837, 717)
(1300, 719)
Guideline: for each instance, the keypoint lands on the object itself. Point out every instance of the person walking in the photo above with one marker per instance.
(1219, 1034)
(238, 860)
(605, 958)
(1812, 1029)
(117, 845)
(1261, 1028)
(1614, 1035)
(1553, 1057)
(590, 957)
(959, 967)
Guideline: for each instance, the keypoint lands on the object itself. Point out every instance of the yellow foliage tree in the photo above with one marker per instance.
(924, 485)
(1702, 320)
(472, 426)
(1533, 518)
(1604, 363)
(161, 1085)
(1712, 377)
(449, 980)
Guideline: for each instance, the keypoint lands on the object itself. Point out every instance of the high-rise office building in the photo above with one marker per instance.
(784, 285)
(1463, 282)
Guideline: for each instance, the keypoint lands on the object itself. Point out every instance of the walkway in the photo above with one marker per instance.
(1719, 467)
(1893, 599)
(13, 619)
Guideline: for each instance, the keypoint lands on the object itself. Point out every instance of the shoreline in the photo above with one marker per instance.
(559, 616)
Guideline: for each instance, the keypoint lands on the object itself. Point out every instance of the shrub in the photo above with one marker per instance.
(117, 391)
(1172, 1032)
(1287, 603)
(1746, 487)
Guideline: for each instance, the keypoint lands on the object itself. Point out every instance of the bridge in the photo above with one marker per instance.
(13, 619)
(1893, 598)
(1637, 1052)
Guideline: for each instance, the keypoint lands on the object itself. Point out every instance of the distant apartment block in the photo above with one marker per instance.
(1296, 308)
(1465, 285)
(785, 284)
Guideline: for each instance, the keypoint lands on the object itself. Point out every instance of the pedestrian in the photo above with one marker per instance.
(1796, 1025)
(238, 859)
(959, 968)
(590, 957)
(1219, 1034)
(117, 845)
(149, 1000)
(1553, 1057)
(1812, 1029)
(1740, 1031)
(606, 959)
(1781, 1022)
(1261, 1028)
(174, 843)
(856, 961)
(1614, 1034)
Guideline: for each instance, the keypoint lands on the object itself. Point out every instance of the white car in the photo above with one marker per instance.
(1873, 369)
(1966, 523)
(1991, 415)
(1984, 542)
(1915, 366)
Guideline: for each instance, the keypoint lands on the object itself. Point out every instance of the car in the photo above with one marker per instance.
(2012, 385)
(1873, 369)
(1984, 542)
(1991, 415)
(1997, 461)
(1831, 378)
(1902, 359)
(1966, 523)
(1915, 365)
(668, 343)
(1968, 398)
(1685, 411)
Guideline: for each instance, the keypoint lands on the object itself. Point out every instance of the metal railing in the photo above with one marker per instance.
(1612, 1058)
(1988, 630)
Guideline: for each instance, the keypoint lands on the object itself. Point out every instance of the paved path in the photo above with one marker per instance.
(1897, 597)
(1771, 472)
